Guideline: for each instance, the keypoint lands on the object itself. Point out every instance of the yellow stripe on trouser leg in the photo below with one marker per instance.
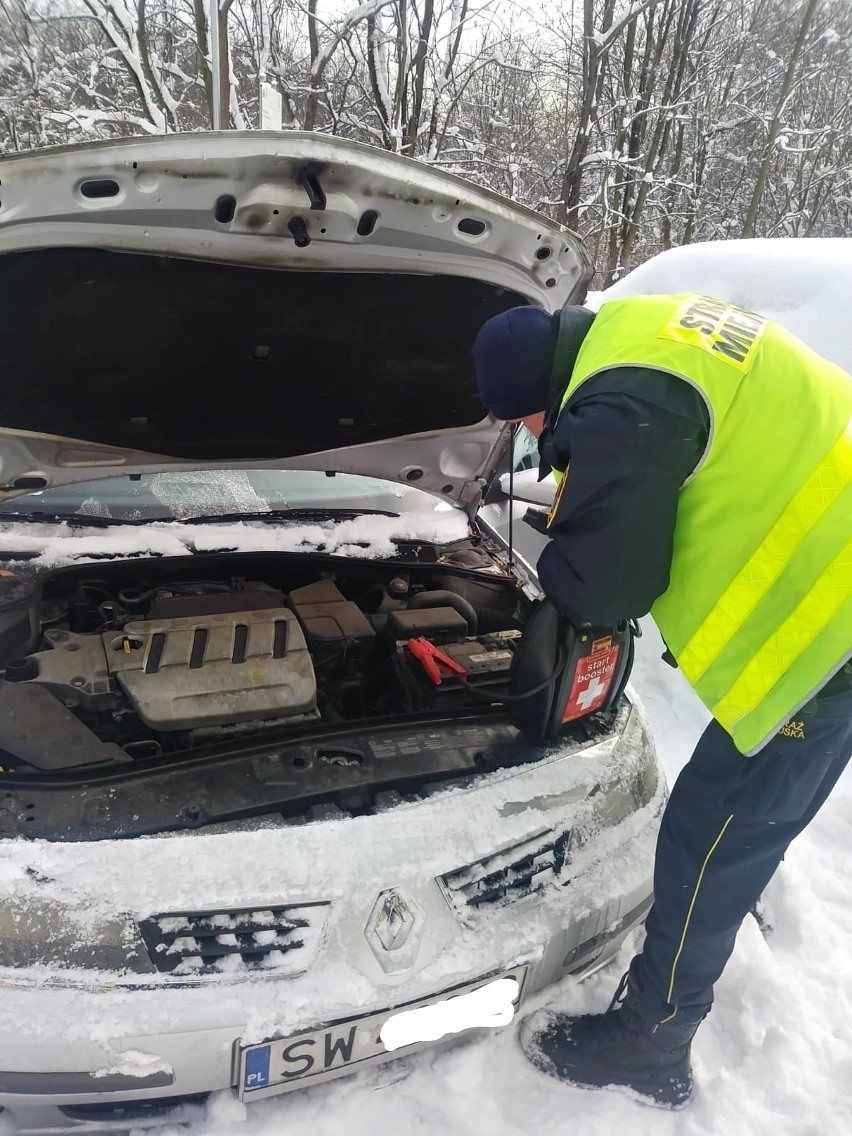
(789, 642)
(690, 909)
(754, 580)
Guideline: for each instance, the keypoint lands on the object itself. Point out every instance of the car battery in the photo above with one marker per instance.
(486, 659)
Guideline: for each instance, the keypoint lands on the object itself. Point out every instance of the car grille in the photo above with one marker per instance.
(521, 869)
(216, 942)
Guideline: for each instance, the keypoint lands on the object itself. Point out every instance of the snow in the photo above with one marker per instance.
(134, 1063)
(804, 284)
(776, 1053)
(370, 537)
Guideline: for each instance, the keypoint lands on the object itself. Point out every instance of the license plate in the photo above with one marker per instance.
(273, 1066)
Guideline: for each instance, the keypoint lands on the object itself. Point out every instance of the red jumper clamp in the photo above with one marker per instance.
(432, 660)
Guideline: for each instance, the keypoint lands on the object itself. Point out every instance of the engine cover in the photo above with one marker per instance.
(215, 669)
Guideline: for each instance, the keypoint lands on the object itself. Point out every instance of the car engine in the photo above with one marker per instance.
(115, 673)
(197, 667)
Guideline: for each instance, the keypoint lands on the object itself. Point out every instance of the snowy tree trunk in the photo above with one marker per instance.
(775, 124)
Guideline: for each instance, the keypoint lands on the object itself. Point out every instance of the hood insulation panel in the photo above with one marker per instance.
(207, 361)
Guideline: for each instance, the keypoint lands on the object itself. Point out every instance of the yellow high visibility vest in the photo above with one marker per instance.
(758, 611)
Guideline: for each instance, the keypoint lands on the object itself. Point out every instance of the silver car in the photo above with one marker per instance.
(250, 838)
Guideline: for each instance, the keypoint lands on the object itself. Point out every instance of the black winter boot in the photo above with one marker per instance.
(623, 1047)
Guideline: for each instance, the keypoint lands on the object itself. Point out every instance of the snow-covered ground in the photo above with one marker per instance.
(775, 1056)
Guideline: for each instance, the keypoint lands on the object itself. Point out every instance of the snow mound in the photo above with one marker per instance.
(806, 285)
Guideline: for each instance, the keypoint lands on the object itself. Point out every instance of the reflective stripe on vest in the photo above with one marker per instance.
(817, 495)
(758, 612)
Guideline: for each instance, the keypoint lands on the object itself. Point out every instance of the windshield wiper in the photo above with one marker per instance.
(307, 515)
(75, 520)
(82, 521)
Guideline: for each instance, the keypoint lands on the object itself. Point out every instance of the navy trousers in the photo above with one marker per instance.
(726, 827)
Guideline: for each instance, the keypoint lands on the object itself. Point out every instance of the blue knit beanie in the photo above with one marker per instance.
(513, 361)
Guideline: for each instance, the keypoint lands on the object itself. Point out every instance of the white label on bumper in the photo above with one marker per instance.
(276, 1065)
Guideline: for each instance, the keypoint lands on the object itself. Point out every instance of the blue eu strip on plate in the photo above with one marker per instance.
(256, 1072)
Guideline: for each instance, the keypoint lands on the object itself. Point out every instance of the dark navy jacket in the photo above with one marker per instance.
(632, 436)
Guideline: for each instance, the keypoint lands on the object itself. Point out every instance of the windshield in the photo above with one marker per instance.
(197, 494)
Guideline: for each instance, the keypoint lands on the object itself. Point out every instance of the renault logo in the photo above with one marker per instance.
(392, 929)
(394, 922)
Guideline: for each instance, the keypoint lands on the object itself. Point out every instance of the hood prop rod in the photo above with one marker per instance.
(512, 434)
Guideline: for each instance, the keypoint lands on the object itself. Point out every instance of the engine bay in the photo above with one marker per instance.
(118, 663)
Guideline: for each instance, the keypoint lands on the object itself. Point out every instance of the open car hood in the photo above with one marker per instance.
(256, 300)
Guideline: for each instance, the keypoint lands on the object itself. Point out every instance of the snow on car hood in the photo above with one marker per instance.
(256, 300)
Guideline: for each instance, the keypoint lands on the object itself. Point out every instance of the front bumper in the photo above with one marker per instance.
(74, 1058)
(206, 1060)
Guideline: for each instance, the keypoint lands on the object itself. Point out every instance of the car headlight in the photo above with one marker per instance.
(635, 783)
(544, 858)
(35, 933)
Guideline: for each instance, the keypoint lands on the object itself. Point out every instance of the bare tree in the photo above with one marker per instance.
(641, 123)
(794, 65)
